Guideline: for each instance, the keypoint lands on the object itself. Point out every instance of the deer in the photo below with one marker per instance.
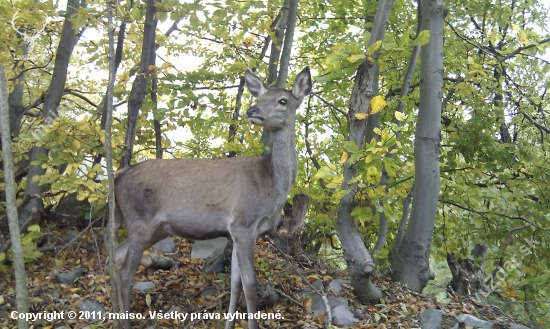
(239, 198)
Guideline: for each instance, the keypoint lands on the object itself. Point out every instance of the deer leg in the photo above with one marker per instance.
(244, 249)
(236, 288)
(126, 278)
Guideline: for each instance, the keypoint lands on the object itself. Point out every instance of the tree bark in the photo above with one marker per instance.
(412, 262)
(139, 87)
(360, 262)
(109, 158)
(32, 211)
(385, 178)
(277, 44)
(9, 179)
(290, 19)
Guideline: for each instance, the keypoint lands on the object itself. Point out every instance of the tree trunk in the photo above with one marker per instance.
(32, 210)
(360, 262)
(412, 263)
(139, 87)
(385, 178)
(109, 158)
(290, 19)
(15, 234)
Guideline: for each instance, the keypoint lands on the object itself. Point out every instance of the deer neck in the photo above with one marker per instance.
(283, 161)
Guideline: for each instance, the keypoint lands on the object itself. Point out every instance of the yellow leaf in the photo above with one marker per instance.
(374, 47)
(361, 116)
(376, 104)
(343, 158)
(400, 116)
(377, 131)
(373, 175)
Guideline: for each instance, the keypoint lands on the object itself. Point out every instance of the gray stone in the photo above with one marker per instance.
(70, 236)
(318, 284)
(472, 321)
(166, 245)
(208, 248)
(209, 291)
(341, 314)
(214, 264)
(70, 276)
(518, 326)
(145, 286)
(93, 309)
(431, 319)
(336, 284)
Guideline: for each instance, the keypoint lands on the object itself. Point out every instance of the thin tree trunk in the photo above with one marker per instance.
(32, 210)
(154, 86)
(285, 60)
(385, 177)
(139, 87)
(412, 264)
(9, 179)
(360, 262)
(109, 158)
(277, 44)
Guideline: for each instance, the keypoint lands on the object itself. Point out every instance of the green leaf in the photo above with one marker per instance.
(422, 39)
(324, 173)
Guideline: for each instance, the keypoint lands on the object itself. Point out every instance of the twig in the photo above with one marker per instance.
(282, 293)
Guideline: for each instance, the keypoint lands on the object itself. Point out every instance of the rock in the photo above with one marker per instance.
(92, 308)
(317, 304)
(341, 315)
(73, 234)
(214, 264)
(266, 296)
(208, 248)
(431, 319)
(518, 326)
(336, 284)
(472, 321)
(145, 286)
(70, 276)
(209, 291)
(165, 245)
(318, 284)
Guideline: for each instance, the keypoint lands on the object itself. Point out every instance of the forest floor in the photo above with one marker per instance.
(184, 284)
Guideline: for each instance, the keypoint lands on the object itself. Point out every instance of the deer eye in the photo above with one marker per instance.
(282, 101)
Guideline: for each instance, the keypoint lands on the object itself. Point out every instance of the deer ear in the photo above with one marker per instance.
(302, 83)
(256, 86)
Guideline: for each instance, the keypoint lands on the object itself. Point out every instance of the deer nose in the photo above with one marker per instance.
(252, 110)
